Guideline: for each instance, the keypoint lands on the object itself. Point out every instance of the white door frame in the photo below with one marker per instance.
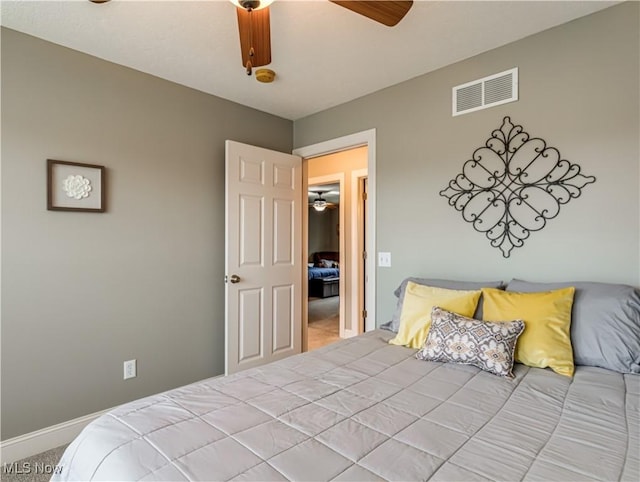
(357, 233)
(358, 139)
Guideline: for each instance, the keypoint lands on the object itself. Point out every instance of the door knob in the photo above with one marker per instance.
(234, 278)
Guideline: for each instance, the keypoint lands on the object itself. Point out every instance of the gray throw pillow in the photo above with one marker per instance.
(605, 323)
(488, 345)
(394, 324)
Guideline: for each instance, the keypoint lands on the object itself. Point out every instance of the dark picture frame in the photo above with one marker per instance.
(75, 186)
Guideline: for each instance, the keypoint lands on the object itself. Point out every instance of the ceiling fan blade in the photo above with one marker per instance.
(388, 13)
(255, 24)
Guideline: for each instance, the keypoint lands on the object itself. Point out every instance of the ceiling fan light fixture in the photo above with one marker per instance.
(319, 204)
(252, 4)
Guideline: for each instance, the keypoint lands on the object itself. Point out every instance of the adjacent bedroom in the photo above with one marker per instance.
(323, 265)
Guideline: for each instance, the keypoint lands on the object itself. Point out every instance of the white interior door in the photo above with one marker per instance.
(263, 263)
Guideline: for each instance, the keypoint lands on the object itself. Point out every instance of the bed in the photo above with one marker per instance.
(326, 264)
(316, 272)
(324, 274)
(365, 409)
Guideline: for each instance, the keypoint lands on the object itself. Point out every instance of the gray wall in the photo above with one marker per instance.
(83, 292)
(323, 233)
(578, 90)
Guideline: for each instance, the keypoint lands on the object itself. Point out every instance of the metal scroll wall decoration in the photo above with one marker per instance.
(513, 185)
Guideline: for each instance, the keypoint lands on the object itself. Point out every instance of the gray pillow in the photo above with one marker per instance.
(605, 323)
(394, 324)
(487, 345)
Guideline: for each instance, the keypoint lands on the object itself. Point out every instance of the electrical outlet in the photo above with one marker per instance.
(129, 369)
(384, 259)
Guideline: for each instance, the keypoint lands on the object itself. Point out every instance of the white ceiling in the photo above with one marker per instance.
(323, 54)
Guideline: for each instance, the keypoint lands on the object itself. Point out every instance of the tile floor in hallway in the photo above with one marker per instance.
(324, 320)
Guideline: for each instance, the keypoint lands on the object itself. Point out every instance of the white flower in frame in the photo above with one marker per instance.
(76, 187)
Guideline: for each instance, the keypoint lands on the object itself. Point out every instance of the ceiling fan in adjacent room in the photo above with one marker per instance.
(320, 203)
(255, 28)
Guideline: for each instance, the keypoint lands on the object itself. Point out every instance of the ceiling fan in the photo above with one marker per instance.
(255, 31)
(320, 204)
(255, 28)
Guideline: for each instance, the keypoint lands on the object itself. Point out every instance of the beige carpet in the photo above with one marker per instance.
(324, 322)
(38, 468)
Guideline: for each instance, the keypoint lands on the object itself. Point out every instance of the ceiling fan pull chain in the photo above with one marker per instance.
(252, 51)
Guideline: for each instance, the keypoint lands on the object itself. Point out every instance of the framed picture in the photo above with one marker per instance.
(72, 186)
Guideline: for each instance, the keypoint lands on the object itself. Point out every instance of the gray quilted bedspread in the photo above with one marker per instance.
(361, 409)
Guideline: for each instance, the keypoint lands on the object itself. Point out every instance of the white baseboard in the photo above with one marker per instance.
(48, 438)
(45, 439)
(350, 333)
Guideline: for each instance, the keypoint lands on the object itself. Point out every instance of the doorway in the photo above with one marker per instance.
(364, 138)
(334, 245)
(280, 341)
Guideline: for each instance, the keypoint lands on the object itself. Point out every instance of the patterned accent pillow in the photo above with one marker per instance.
(487, 345)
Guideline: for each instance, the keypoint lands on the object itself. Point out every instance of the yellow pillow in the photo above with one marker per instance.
(419, 300)
(546, 339)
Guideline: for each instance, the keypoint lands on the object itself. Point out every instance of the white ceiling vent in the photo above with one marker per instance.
(486, 92)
